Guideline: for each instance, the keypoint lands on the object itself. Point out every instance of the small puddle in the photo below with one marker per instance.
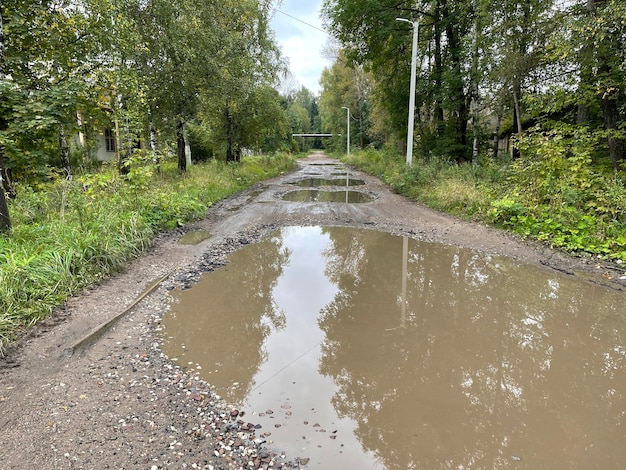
(314, 195)
(193, 238)
(316, 182)
(256, 193)
(360, 349)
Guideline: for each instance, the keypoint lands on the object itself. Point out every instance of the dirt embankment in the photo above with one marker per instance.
(90, 387)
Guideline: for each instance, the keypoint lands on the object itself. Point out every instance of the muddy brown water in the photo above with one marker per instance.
(360, 349)
(194, 238)
(316, 195)
(316, 182)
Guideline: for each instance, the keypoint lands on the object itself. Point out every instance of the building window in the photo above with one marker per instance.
(109, 138)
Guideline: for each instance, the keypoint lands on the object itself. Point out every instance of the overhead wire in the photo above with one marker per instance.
(286, 366)
(301, 21)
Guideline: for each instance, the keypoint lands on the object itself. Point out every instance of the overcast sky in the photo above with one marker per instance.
(301, 44)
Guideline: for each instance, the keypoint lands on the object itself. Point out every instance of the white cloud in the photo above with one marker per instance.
(300, 43)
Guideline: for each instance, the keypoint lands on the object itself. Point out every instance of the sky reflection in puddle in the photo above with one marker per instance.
(317, 182)
(360, 349)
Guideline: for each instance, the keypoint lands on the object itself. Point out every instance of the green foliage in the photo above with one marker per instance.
(460, 189)
(557, 195)
(69, 234)
(553, 193)
(200, 141)
(345, 86)
(484, 67)
(100, 61)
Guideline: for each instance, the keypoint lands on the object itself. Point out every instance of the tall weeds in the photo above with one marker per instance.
(555, 193)
(69, 234)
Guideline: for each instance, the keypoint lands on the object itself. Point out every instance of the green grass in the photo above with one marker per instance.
(67, 235)
(572, 206)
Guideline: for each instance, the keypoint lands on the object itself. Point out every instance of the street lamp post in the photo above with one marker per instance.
(348, 120)
(409, 137)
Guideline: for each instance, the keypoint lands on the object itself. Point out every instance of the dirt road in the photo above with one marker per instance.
(90, 388)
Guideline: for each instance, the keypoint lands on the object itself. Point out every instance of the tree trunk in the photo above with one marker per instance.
(586, 75)
(65, 154)
(517, 113)
(125, 149)
(233, 154)
(582, 115)
(609, 100)
(460, 110)
(5, 220)
(475, 131)
(153, 146)
(153, 136)
(474, 86)
(361, 142)
(187, 146)
(180, 145)
(437, 76)
(496, 134)
(610, 112)
(461, 126)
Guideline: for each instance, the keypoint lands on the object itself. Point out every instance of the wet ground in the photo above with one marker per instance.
(443, 371)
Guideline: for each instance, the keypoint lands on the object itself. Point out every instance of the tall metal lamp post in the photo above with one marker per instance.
(409, 137)
(348, 118)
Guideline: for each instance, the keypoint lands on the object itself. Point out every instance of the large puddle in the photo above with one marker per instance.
(315, 195)
(359, 349)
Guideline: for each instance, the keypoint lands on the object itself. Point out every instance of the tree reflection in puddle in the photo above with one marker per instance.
(315, 195)
(359, 348)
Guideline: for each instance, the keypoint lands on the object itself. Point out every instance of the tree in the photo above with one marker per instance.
(522, 30)
(248, 65)
(345, 86)
(61, 59)
(374, 39)
(145, 66)
(5, 219)
(302, 110)
(601, 69)
(178, 56)
(265, 124)
(370, 38)
(575, 83)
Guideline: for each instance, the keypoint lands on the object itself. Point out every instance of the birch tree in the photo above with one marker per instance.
(5, 219)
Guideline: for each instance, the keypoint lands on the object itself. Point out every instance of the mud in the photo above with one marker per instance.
(120, 402)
